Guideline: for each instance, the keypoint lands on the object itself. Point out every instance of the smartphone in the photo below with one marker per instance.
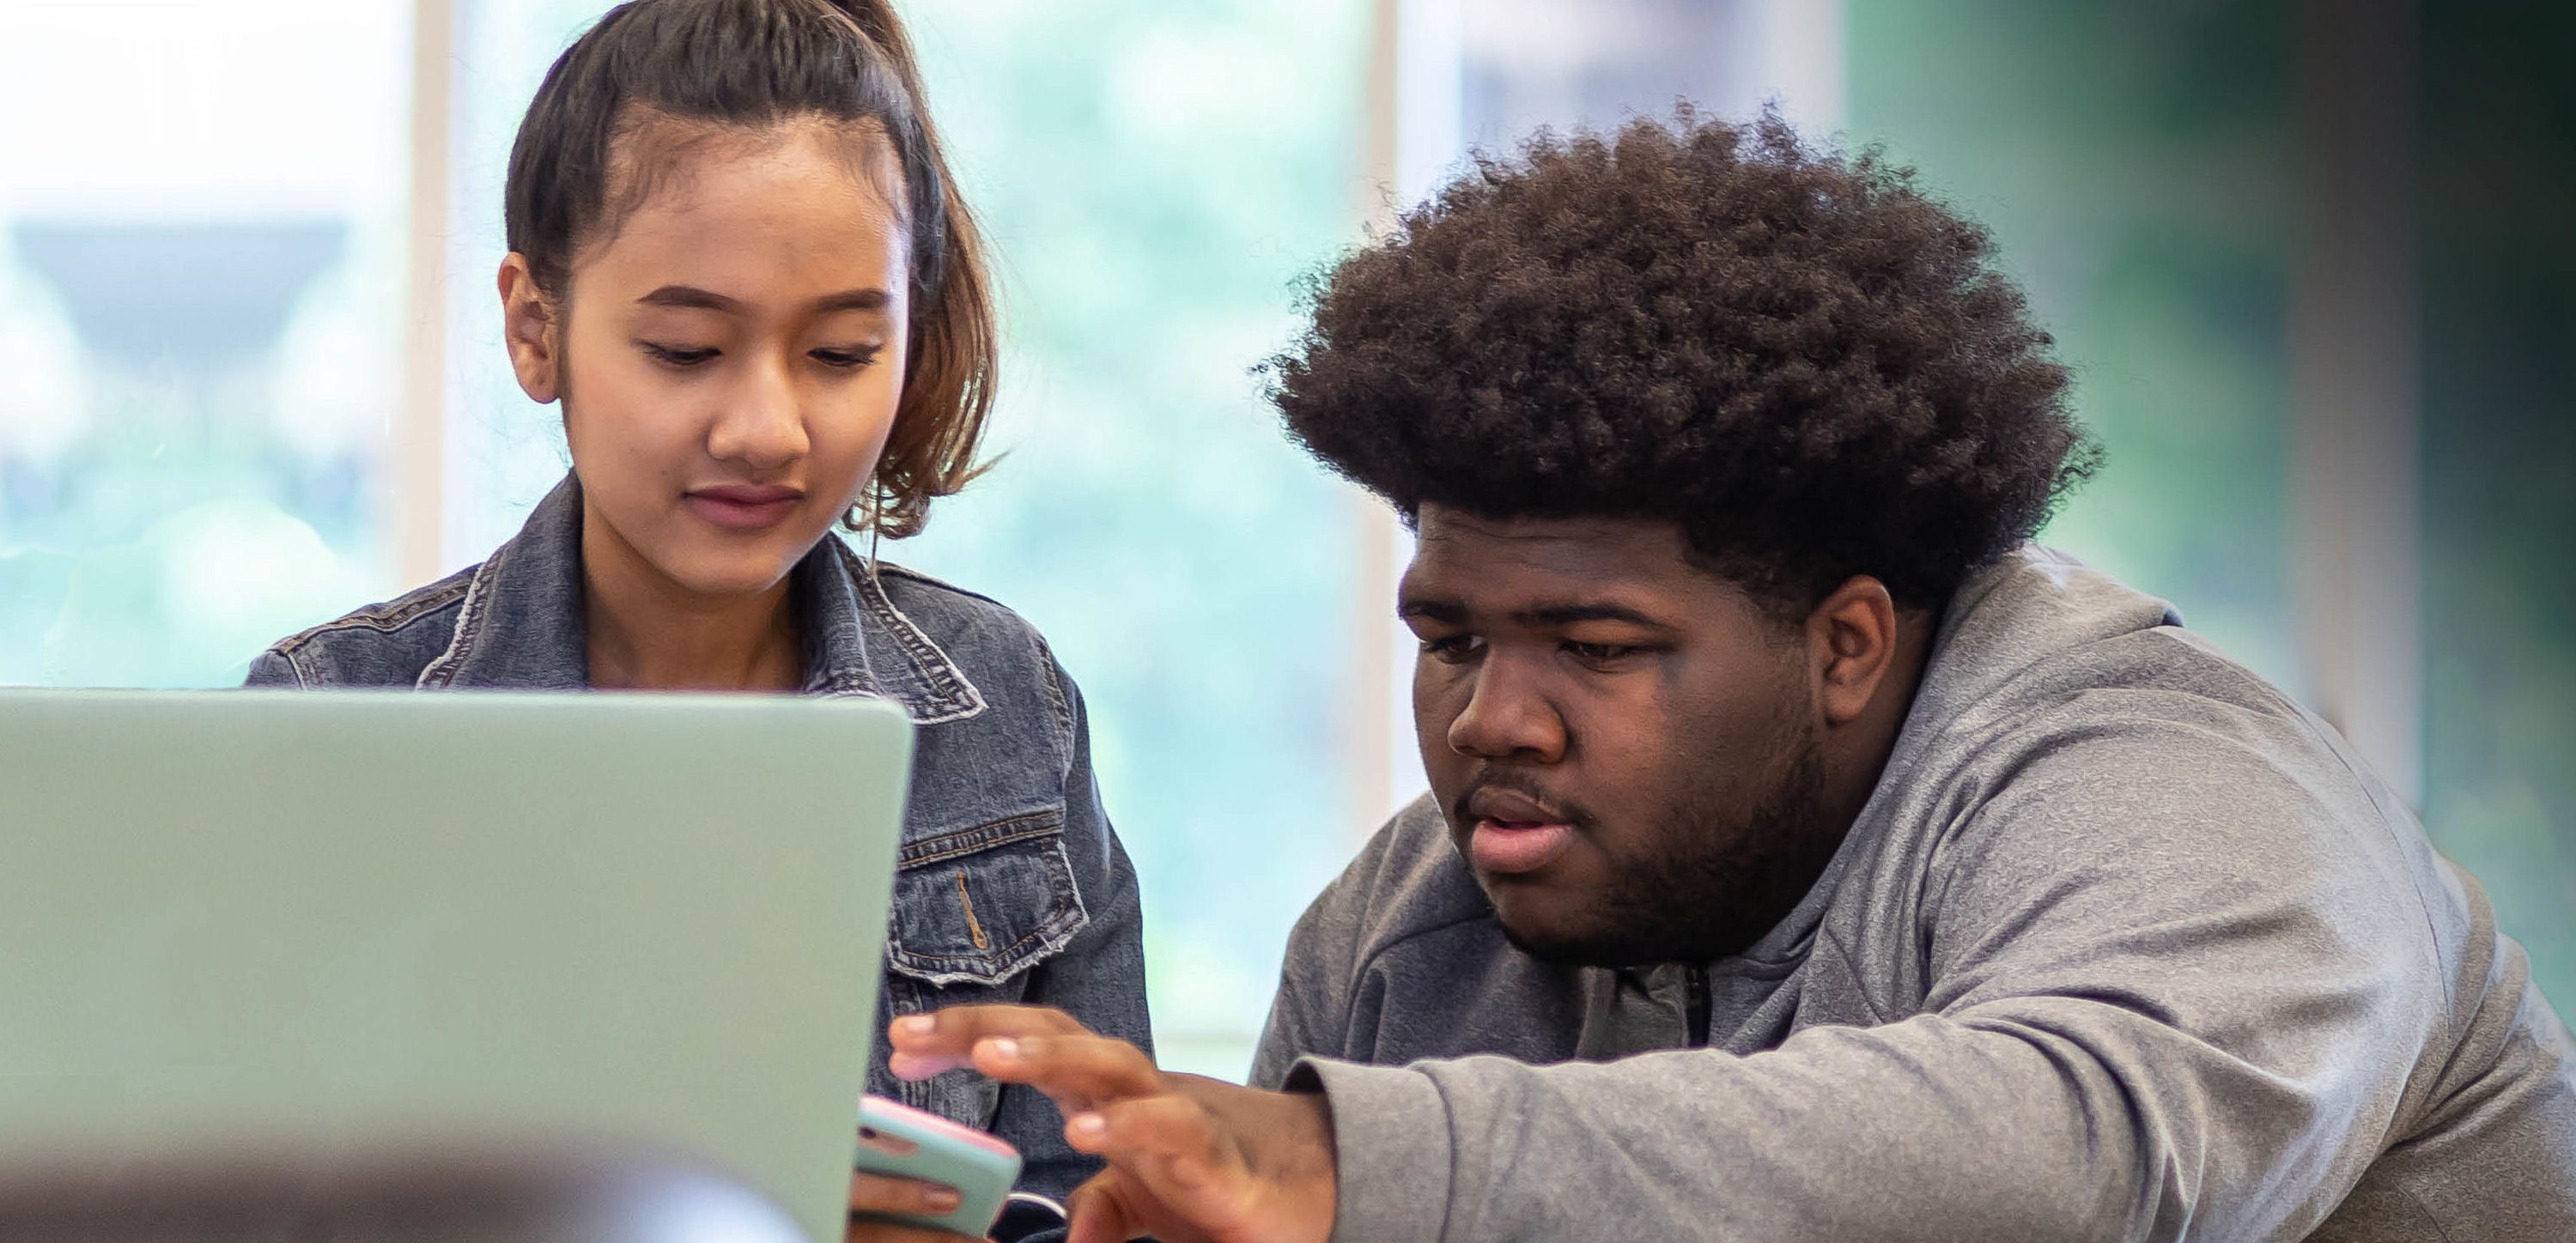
(898, 1140)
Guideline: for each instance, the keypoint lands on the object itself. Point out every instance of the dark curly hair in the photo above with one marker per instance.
(1804, 361)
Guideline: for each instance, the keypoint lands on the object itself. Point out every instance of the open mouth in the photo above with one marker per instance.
(1513, 833)
(1511, 847)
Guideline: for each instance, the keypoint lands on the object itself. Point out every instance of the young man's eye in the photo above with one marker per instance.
(1452, 649)
(678, 355)
(1600, 653)
(847, 358)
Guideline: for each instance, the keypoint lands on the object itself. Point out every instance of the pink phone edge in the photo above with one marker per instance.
(923, 1119)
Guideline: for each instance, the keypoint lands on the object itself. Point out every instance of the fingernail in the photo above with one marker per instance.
(1003, 1049)
(1089, 1126)
(940, 1200)
(916, 1025)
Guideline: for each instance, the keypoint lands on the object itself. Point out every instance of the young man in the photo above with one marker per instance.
(1808, 856)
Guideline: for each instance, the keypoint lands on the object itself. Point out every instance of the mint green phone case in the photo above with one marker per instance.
(899, 1140)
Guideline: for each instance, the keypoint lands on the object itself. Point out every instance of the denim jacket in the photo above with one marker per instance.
(1010, 885)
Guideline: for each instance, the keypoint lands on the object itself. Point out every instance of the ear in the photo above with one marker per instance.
(1851, 645)
(529, 325)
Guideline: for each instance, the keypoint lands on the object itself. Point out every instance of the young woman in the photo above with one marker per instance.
(738, 260)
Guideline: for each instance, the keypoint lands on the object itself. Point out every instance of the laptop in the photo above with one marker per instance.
(279, 922)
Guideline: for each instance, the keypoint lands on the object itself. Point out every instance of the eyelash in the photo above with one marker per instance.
(1601, 653)
(1457, 648)
(677, 357)
(847, 360)
(1452, 648)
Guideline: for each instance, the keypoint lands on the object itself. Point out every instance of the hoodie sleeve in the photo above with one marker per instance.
(2174, 986)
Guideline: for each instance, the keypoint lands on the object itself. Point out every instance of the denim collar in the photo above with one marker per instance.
(521, 625)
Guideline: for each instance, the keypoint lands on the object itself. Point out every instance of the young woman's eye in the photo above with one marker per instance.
(847, 358)
(1452, 649)
(678, 355)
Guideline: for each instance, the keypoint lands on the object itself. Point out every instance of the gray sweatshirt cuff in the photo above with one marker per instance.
(1391, 1140)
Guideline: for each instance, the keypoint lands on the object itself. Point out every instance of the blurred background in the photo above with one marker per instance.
(2310, 262)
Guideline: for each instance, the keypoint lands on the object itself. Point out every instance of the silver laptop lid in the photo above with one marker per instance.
(261, 921)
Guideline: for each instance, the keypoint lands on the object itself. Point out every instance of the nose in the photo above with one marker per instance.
(1506, 717)
(762, 421)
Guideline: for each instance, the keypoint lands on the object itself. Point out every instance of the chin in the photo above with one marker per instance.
(1573, 930)
(1558, 947)
(1538, 927)
(740, 573)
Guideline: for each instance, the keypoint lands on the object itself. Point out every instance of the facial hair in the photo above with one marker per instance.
(1719, 881)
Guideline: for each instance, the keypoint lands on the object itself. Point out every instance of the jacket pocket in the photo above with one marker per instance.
(981, 905)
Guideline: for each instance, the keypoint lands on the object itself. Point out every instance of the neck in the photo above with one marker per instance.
(646, 631)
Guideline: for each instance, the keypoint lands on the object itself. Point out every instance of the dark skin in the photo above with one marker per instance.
(1588, 671)
(1581, 672)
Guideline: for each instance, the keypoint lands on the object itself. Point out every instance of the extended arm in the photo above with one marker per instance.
(2159, 996)
(2158, 1002)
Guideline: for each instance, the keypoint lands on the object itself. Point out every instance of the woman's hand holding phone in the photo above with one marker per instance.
(876, 1197)
(919, 1176)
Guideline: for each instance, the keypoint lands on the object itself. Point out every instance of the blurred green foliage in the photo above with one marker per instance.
(174, 538)
(2138, 165)
(2499, 307)
(1156, 177)
(2133, 162)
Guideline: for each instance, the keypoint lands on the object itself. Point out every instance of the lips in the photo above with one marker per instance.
(1514, 834)
(744, 506)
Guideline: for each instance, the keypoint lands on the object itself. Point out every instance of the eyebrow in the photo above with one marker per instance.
(1454, 613)
(690, 297)
(853, 300)
(1568, 614)
(1446, 612)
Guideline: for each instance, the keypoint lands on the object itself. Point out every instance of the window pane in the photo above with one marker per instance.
(2137, 169)
(201, 258)
(1156, 176)
(504, 452)
(2499, 309)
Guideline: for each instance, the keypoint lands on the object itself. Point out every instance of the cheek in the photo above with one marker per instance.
(621, 419)
(849, 428)
(1440, 693)
(1669, 750)
(1634, 738)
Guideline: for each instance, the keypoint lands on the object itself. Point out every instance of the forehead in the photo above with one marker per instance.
(795, 201)
(1466, 555)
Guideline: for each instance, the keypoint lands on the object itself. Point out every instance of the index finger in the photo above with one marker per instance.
(1076, 1072)
(926, 1044)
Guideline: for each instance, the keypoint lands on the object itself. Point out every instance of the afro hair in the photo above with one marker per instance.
(1801, 359)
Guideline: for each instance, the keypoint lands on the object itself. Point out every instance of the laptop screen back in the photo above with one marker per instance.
(263, 921)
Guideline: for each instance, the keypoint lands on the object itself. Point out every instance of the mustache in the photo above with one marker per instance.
(1500, 780)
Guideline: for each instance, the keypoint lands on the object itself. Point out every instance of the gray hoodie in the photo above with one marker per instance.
(2124, 945)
